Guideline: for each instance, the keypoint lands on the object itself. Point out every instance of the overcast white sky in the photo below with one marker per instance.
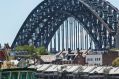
(14, 12)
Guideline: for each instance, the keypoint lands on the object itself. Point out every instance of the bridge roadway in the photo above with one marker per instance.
(51, 71)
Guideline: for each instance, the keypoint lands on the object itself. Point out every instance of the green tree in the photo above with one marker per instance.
(19, 48)
(116, 62)
(113, 49)
(41, 51)
(28, 48)
(34, 51)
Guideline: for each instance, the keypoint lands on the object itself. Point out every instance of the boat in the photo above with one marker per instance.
(18, 73)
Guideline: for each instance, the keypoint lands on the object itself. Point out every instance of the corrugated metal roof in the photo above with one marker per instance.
(89, 69)
(39, 66)
(76, 68)
(44, 67)
(98, 69)
(114, 70)
(52, 68)
(73, 68)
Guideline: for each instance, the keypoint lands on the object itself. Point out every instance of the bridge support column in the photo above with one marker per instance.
(55, 42)
(74, 33)
(71, 47)
(58, 39)
(76, 36)
(87, 41)
(81, 37)
(63, 37)
(51, 46)
(66, 26)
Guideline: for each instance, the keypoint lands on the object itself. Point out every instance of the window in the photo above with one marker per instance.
(29, 76)
(89, 59)
(32, 75)
(5, 75)
(22, 75)
(99, 59)
(14, 75)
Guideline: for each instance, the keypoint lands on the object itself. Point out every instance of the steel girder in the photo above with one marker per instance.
(98, 17)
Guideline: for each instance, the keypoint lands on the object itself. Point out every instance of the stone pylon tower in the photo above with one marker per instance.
(117, 37)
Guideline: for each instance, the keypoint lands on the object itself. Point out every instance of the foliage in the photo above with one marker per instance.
(28, 48)
(41, 51)
(34, 51)
(19, 48)
(113, 49)
(115, 62)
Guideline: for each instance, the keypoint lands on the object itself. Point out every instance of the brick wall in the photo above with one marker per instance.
(109, 57)
(79, 59)
(2, 55)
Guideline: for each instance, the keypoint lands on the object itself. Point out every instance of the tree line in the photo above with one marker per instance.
(32, 49)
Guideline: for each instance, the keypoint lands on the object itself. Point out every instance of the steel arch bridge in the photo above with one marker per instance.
(98, 17)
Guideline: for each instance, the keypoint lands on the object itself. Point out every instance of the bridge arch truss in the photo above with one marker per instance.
(98, 17)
